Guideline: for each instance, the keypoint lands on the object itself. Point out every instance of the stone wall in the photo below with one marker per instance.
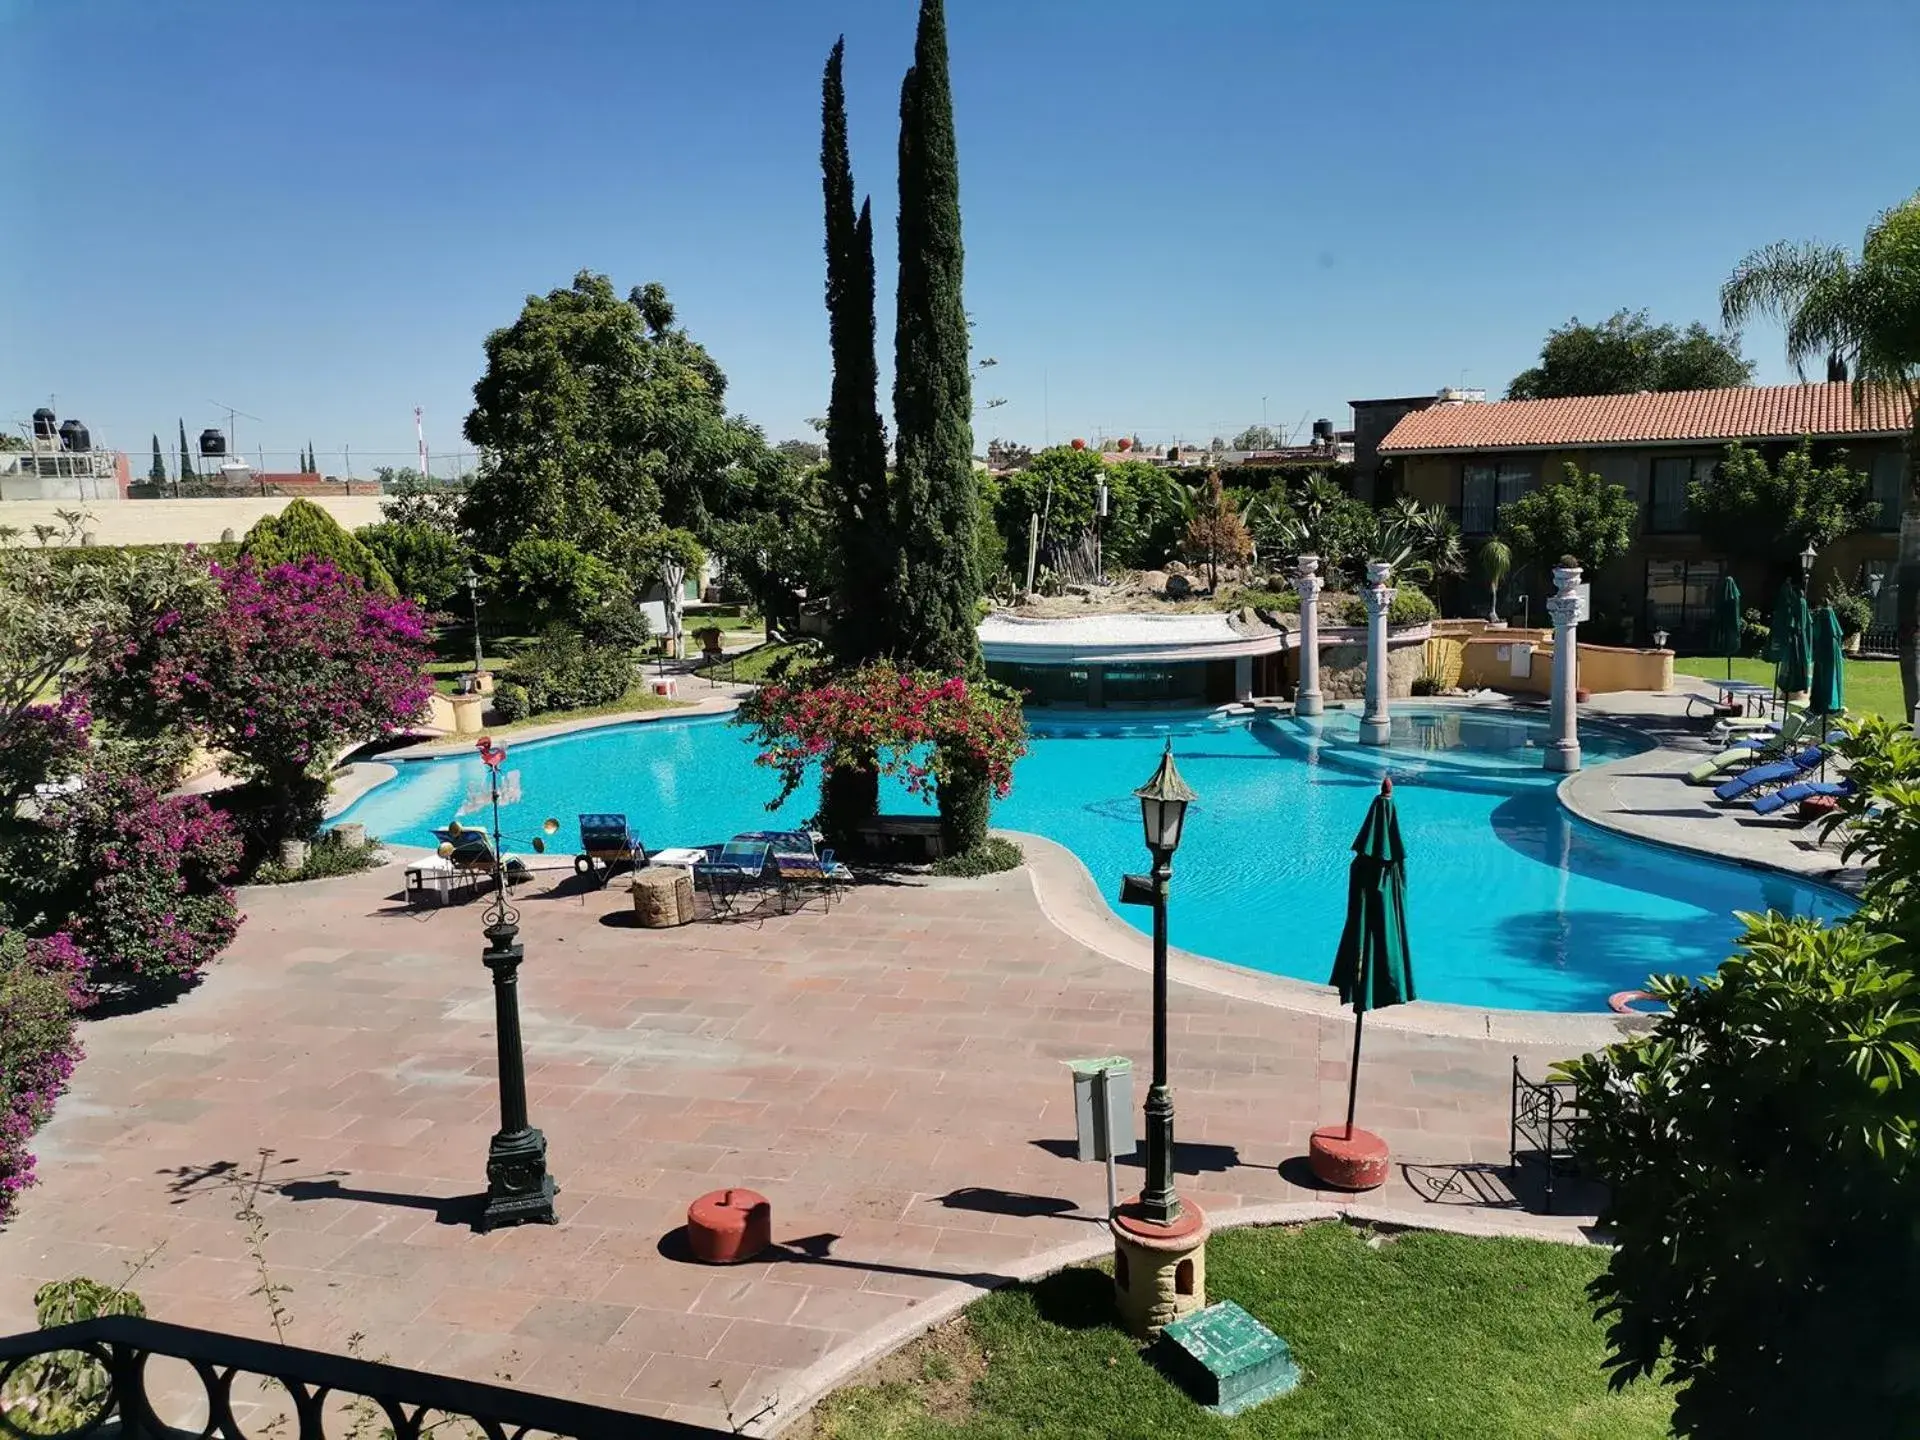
(1343, 665)
(174, 522)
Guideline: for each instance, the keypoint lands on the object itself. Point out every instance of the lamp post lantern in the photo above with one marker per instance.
(1159, 1256)
(1807, 557)
(519, 1188)
(473, 594)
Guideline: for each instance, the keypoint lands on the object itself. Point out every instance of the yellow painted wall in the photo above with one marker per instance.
(175, 522)
(1486, 662)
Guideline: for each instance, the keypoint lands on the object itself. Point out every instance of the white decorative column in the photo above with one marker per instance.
(1375, 726)
(1563, 748)
(1306, 579)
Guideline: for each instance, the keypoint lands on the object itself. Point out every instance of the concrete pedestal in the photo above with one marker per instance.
(1356, 1161)
(1159, 1271)
(1563, 744)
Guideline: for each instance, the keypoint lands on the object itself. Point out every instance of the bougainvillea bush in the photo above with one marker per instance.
(950, 738)
(43, 986)
(145, 892)
(285, 667)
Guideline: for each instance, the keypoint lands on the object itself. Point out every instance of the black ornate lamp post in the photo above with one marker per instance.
(473, 594)
(519, 1189)
(1163, 808)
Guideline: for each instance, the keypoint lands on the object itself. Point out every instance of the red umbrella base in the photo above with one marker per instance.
(1348, 1162)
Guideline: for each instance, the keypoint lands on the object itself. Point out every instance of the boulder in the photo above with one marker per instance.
(1176, 567)
(1155, 582)
(1179, 587)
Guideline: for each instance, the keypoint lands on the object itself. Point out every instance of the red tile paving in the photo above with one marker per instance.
(889, 1074)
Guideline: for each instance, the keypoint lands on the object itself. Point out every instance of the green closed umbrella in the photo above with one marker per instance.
(1373, 968)
(1789, 646)
(1728, 626)
(1827, 694)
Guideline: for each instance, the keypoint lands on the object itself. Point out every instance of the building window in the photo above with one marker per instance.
(1681, 595)
(1889, 484)
(1485, 488)
(1672, 474)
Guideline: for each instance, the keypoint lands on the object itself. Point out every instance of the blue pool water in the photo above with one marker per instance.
(1512, 901)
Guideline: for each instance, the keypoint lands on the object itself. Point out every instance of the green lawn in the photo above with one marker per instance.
(640, 697)
(752, 667)
(1426, 1337)
(1872, 686)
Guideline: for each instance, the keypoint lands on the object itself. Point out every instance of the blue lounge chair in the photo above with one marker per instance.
(606, 840)
(737, 868)
(472, 858)
(800, 867)
(1767, 777)
(1801, 790)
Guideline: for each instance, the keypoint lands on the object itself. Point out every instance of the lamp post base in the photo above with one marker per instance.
(1159, 1271)
(519, 1189)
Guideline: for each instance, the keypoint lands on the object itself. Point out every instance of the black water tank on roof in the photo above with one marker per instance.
(1323, 432)
(74, 436)
(45, 425)
(212, 442)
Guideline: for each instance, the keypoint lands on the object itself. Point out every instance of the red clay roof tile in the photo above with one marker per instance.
(1747, 413)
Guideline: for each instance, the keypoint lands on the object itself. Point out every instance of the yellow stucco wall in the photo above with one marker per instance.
(174, 522)
(1487, 662)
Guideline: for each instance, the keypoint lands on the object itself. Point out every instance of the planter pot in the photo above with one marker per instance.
(1581, 696)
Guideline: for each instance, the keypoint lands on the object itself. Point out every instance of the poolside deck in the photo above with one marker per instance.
(890, 1074)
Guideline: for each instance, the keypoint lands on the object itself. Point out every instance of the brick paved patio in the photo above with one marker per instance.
(888, 1073)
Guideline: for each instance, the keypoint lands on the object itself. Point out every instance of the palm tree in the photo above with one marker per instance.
(1865, 311)
(1495, 560)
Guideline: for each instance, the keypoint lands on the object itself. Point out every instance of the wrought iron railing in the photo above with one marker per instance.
(405, 1404)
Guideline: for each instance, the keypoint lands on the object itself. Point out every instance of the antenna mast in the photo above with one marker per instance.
(420, 435)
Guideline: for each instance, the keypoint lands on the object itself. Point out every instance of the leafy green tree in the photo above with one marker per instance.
(597, 416)
(1749, 510)
(157, 471)
(866, 550)
(1761, 1149)
(1060, 487)
(1864, 310)
(780, 545)
(556, 581)
(1258, 437)
(935, 495)
(186, 456)
(802, 452)
(1627, 353)
(304, 529)
(410, 499)
(1576, 514)
(425, 562)
(1147, 508)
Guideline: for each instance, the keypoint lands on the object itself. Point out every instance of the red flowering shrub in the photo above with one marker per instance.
(145, 893)
(283, 668)
(43, 985)
(950, 736)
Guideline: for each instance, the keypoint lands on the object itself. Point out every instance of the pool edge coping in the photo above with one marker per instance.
(1073, 903)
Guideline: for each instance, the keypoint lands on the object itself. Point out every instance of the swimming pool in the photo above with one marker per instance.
(1513, 902)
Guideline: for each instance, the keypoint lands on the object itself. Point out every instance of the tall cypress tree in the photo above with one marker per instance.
(186, 455)
(856, 443)
(936, 498)
(157, 472)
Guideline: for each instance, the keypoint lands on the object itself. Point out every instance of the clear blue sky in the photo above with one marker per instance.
(316, 211)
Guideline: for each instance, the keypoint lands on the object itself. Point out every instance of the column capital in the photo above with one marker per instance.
(1564, 610)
